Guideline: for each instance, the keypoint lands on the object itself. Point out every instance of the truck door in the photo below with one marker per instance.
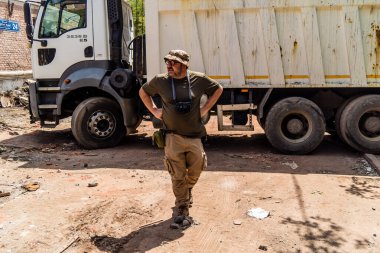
(64, 33)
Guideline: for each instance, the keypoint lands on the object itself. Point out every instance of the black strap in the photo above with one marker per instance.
(173, 88)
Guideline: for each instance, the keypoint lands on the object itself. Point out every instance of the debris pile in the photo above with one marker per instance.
(13, 98)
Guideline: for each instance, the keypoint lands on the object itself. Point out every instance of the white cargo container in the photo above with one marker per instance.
(270, 44)
(302, 63)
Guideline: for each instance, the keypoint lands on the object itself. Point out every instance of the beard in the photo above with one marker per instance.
(172, 72)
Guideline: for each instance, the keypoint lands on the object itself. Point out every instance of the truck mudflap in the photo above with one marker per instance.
(132, 119)
(129, 107)
(33, 107)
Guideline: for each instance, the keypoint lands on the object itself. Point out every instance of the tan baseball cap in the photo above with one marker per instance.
(179, 56)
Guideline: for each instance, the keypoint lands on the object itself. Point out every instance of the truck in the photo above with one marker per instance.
(301, 67)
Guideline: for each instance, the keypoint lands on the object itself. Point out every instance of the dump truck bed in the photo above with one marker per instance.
(269, 44)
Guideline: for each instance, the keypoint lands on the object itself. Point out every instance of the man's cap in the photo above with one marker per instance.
(179, 56)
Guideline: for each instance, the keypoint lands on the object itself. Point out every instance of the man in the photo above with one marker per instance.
(181, 90)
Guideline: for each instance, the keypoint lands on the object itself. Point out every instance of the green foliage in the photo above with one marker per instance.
(138, 16)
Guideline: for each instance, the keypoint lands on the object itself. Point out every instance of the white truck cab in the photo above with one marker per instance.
(82, 64)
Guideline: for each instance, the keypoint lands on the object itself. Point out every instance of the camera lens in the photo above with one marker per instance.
(183, 107)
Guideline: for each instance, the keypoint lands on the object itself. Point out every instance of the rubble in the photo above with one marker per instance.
(292, 165)
(31, 186)
(237, 222)
(13, 98)
(4, 194)
(93, 184)
(262, 247)
(3, 149)
(362, 167)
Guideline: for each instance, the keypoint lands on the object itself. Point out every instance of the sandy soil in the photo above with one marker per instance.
(327, 202)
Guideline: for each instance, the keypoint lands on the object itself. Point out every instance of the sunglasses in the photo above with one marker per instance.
(171, 62)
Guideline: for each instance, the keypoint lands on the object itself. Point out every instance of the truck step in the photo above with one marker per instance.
(49, 89)
(235, 107)
(52, 106)
(50, 123)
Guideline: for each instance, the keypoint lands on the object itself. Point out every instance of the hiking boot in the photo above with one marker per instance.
(182, 219)
(187, 221)
(183, 211)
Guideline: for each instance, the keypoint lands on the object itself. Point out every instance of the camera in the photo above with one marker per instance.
(183, 107)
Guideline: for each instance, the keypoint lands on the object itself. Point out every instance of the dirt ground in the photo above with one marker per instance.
(328, 201)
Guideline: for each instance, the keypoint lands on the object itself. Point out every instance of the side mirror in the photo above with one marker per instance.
(28, 21)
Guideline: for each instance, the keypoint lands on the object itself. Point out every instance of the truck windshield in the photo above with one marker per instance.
(62, 16)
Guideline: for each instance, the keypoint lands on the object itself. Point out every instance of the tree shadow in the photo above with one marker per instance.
(141, 240)
(362, 187)
(318, 234)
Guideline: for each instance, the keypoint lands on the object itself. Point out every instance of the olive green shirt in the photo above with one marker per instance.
(187, 124)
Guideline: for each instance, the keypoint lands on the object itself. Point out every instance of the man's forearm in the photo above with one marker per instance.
(147, 100)
(149, 104)
(212, 100)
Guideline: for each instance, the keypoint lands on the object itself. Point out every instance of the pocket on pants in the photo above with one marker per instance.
(168, 166)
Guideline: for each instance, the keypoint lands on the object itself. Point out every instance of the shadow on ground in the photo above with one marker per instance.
(316, 233)
(363, 188)
(141, 240)
(238, 153)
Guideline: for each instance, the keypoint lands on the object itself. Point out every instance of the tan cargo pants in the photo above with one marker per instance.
(184, 159)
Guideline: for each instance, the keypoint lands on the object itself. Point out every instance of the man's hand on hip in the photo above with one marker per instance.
(157, 112)
(203, 111)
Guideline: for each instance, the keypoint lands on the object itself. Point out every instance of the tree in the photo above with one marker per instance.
(138, 16)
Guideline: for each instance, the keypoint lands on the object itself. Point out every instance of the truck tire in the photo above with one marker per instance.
(295, 125)
(360, 123)
(338, 116)
(98, 123)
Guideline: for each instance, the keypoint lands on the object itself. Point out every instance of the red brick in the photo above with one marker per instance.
(14, 50)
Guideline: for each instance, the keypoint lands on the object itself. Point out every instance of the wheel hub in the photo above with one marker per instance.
(294, 126)
(372, 124)
(101, 124)
(369, 124)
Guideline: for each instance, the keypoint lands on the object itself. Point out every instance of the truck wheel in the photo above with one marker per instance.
(360, 123)
(98, 123)
(338, 116)
(295, 125)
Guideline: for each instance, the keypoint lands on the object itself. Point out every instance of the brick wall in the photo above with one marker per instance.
(14, 48)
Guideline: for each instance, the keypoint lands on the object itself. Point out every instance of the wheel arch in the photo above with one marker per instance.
(68, 101)
(88, 79)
